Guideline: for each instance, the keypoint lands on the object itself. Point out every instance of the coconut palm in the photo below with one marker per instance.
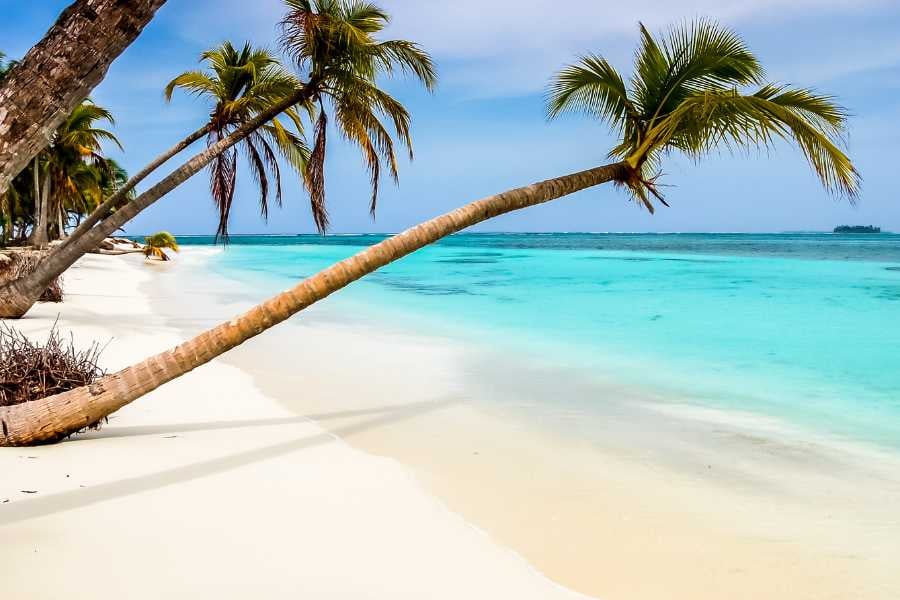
(242, 83)
(70, 168)
(701, 64)
(316, 31)
(335, 42)
(155, 245)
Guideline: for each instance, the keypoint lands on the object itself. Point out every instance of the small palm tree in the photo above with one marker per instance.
(242, 84)
(156, 244)
(700, 65)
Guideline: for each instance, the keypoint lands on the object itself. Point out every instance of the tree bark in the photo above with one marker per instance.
(60, 71)
(19, 295)
(55, 417)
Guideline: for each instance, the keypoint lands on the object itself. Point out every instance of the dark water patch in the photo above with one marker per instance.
(650, 259)
(425, 289)
(468, 261)
(892, 269)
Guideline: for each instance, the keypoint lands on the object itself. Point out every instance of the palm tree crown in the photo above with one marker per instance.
(74, 161)
(334, 42)
(688, 93)
(244, 83)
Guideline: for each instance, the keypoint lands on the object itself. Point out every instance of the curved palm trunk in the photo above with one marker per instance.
(60, 71)
(121, 195)
(55, 417)
(19, 295)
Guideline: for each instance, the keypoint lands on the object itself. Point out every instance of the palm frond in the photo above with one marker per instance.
(315, 174)
(591, 86)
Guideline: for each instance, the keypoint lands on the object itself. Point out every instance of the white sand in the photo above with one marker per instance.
(208, 489)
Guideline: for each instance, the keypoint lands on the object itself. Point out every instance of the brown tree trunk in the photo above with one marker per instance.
(19, 295)
(35, 237)
(60, 71)
(39, 234)
(55, 417)
(60, 222)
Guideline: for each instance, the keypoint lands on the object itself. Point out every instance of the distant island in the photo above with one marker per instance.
(857, 229)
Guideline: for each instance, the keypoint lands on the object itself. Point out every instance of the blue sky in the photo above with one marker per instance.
(483, 131)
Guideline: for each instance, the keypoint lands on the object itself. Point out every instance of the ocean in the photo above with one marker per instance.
(802, 329)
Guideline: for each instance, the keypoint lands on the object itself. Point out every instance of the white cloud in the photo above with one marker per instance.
(503, 47)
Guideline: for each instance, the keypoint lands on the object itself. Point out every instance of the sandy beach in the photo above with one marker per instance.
(334, 459)
(209, 488)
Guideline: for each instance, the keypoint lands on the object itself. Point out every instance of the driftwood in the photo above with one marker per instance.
(114, 246)
(118, 252)
(30, 371)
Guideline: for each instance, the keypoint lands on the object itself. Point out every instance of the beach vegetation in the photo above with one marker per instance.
(64, 182)
(30, 370)
(155, 245)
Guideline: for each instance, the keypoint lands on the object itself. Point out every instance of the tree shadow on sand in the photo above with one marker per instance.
(48, 505)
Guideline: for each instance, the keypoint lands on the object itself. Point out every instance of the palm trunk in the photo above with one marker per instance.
(121, 195)
(60, 222)
(39, 237)
(19, 295)
(60, 71)
(55, 417)
(34, 237)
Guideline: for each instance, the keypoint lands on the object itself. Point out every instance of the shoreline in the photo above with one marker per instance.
(213, 487)
(555, 500)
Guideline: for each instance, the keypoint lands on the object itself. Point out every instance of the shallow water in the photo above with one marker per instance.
(800, 327)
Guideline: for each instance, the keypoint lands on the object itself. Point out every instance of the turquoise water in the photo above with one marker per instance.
(801, 327)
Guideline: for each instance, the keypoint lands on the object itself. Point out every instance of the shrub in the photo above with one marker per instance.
(31, 371)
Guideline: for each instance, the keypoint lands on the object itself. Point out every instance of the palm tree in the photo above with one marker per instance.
(58, 65)
(701, 65)
(243, 83)
(70, 167)
(155, 245)
(5, 65)
(335, 42)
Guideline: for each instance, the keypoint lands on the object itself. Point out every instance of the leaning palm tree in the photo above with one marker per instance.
(685, 95)
(243, 83)
(334, 41)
